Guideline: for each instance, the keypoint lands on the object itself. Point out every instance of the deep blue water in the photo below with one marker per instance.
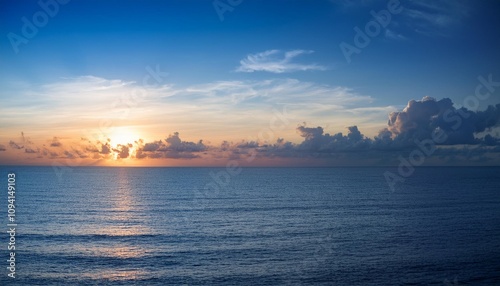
(265, 226)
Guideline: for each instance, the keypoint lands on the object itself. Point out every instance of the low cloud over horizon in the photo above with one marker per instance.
(448, 134)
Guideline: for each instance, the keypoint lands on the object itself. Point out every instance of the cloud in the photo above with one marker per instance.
(419, 120)
(15, 145)
(2, 148)
(276, 61)
(152, 146)
(30, 151)
(434, 18)
(273, 91)
(466, 136)
(122, 151)
(25, 140)
(55, 142)
(315, 140)
(61, 108)
(105, 148)
(390, 34)
(173, 147)
(422, 119)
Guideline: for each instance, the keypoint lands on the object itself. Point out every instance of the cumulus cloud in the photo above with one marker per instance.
(425, 119)
(152, 146)
(105, 148)
(122, 151)
(172, 147)
(315, 140)
(422, 119)
(276, 61)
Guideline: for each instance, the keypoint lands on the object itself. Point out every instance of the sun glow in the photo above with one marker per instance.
(123, 136)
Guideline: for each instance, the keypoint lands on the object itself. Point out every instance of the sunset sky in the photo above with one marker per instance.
(264, 83)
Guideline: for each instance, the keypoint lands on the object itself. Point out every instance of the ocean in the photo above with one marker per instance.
(257, 226)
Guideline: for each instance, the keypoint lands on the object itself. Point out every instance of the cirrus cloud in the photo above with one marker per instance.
(276, 61)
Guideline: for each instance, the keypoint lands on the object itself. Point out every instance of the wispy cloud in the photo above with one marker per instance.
(71, 105)
(390, 34)
(434, 18)
(276, 61)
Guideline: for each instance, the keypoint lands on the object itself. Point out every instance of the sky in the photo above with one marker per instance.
(259, 83)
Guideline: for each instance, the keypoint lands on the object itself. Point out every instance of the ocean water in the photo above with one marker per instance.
(263, 226)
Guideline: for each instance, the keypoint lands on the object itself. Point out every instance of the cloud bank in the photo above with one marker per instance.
(462, 133)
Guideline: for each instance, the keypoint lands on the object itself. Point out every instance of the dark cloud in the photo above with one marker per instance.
(175, 144)
(251, 144)
(153, 146)
(69, 154)
(122, 151)
(422, 119)
(2, 148)
(30, 151)
(105, 148)
(315, 140)
(48, 153)
(25, 139)
(92, 148)
(173, 147)
(80, 153)
(55, 142)
(14, 145)
(180, 155)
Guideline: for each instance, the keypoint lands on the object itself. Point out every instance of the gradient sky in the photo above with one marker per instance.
(82, 88)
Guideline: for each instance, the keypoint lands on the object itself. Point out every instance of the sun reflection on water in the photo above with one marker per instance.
(123, 217)
(119, 235)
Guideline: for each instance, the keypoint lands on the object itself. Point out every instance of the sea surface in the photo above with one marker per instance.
(258, 226)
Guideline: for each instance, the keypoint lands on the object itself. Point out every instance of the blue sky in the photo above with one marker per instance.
(430, 48)
(188, 38)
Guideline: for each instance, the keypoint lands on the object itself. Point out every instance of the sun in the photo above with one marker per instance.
(122, 142)
(123, 135)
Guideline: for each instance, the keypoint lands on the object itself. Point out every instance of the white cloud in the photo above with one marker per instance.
(276, 61)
